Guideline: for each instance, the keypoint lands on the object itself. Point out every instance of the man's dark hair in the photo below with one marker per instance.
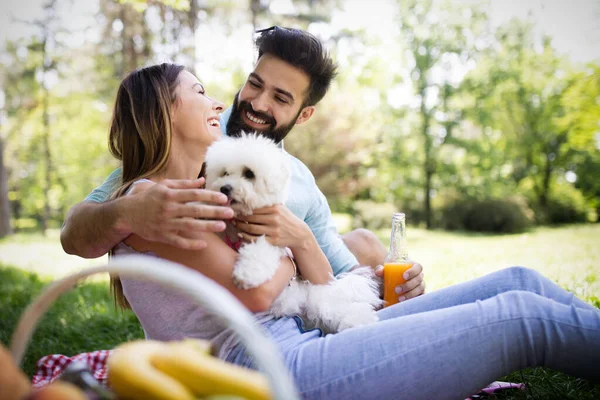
(303, 51)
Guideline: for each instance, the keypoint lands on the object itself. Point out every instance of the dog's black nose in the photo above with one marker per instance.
(226, 190)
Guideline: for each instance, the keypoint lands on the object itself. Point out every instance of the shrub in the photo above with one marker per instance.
(509, 215)
(371, 215)
(497, 215)
(452, 213)
(566, 205)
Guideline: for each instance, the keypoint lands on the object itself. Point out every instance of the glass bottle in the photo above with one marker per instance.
(396, 263)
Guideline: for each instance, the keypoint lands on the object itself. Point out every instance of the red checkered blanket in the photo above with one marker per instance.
(50, 367)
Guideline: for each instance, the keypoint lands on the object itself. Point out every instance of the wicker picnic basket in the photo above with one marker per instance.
(200, 289)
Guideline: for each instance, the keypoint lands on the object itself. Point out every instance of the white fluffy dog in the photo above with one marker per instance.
(253, 172)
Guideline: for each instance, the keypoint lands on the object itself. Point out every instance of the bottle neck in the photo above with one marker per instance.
(398, 245)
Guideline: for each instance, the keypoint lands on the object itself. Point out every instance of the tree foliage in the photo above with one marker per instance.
(526, 91)
(441, 109)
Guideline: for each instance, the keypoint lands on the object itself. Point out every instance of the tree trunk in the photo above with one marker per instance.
(147, 37)
(541, 190)
(254, 11)
(128, 50)
(544, 193)
(428, 179)
(428, 171)
(5, 227)
(47, 165)
(193, 25)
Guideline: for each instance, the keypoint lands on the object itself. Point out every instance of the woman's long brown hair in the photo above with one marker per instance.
(140, 132)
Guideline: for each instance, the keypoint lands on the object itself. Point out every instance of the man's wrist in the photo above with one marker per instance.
(121, 212)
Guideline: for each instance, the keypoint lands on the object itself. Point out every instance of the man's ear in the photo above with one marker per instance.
(305, 114)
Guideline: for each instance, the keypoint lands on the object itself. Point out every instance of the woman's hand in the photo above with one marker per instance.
(280, 226)
(414, 285)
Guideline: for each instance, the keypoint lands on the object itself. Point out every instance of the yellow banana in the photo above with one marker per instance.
(132, 376)
(206, 375)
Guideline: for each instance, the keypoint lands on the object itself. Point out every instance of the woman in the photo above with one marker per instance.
(447, 344)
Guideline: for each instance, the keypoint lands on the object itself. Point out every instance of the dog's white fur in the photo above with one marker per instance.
(348, 301)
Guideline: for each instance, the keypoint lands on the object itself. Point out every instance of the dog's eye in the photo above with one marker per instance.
(224, 173)
(248, 174)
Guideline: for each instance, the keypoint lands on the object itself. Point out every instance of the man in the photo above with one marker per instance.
(292, 74)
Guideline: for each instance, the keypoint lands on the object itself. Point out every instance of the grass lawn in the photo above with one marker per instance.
(86, 320)
(569, 256)
(82, 320)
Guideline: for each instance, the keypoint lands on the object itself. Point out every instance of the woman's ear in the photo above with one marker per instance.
(305, 114)
(174, 109)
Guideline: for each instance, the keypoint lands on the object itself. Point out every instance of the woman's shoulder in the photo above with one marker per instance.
(124, 248)
(139, 185)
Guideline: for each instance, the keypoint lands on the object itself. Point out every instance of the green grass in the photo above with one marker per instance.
(569, 255)
(85, 319)
(81, 320)
(42, 255)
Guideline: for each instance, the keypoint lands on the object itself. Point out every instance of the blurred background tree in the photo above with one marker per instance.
(438, 110)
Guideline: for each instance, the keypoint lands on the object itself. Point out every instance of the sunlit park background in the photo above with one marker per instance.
(478, 119)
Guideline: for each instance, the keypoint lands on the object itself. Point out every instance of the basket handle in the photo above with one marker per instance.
(202, 290)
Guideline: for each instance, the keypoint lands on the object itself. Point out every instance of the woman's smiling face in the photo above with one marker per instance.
(195, 116)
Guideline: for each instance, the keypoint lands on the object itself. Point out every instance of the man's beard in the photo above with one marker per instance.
(236, 125)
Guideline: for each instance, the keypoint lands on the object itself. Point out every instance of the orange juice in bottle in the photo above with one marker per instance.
(396, 262)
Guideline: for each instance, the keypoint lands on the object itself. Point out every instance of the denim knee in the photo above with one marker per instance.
(519, 296)
(524, 274)
(519, 303)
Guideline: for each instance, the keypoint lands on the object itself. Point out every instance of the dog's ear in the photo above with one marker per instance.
(281, 176)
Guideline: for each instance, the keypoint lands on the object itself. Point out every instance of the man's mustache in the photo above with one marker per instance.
(246, 106)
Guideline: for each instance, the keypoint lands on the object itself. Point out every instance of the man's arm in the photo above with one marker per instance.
(174, 212)
(91, 229)
(321, 222)
(94, 226)
(342, 259)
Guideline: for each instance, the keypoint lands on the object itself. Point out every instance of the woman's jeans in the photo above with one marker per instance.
(449, 343)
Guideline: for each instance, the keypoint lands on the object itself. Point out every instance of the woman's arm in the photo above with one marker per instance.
(216, 261)
(311, 260)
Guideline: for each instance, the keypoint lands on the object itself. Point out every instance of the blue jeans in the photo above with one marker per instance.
(447, 344)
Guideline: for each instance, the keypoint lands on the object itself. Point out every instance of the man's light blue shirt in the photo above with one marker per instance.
(305, 200)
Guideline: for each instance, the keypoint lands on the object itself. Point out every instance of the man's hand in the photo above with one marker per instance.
(414, 285)
(175, 212)
(281, 227)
